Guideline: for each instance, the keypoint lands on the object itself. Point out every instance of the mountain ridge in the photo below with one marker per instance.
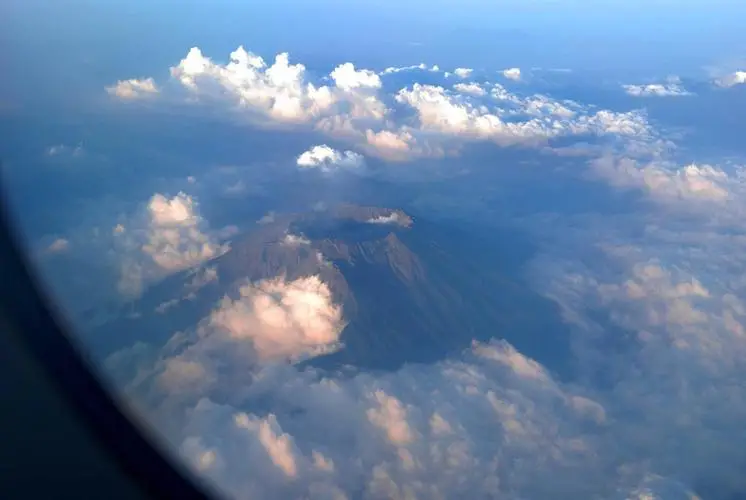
(412, 290)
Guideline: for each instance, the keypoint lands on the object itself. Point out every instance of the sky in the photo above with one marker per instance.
(138, 138)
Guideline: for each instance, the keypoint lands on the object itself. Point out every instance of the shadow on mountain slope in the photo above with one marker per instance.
(424, 293)
(412, 291)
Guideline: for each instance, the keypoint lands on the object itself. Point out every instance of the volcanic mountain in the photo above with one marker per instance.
(412, 290)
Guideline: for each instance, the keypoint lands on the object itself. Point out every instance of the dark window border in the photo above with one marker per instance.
(29, 317)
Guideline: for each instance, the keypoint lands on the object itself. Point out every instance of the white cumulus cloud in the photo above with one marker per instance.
(295, 240)
(392, 218)
(278, 91)
(390, 415)
(346, 77)
(432, 431)
(470, 88)
(327, 159)
(133, 88)
(356, 108)
(463, 72)
(440, 111)
(281, 92)
(399, 145)
(282, 319)
(167, 237)
(512, 74)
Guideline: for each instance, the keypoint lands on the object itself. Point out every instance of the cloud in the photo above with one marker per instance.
(279, 446)
(277, 91)
(390, 415)
(281, 92)
(512, 74)
(389, 141)
(667, 300)
(282, 319)
(667, 278)
(655, 487)
(420, 67)
(295, 240)
(731, 80)
(133, 88)
(440, 111)
(237, 188)
(265, 322)
(665, 181)
(675, 331)
(61, 149)
(653, 297)
(327, 159)
(536, 105)
(392, 218)
(656, 89)
(489, 422)
(346, 77)
(353, 106)
(175, 211)
(688, 334)
(266, 218)
(400, 145)
(431, 431)
(167, 236)
(58, 246)
(470, 88)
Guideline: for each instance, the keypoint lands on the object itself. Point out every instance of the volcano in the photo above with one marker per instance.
(412, 290)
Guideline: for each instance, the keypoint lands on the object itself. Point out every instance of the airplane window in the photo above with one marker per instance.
(396, 250)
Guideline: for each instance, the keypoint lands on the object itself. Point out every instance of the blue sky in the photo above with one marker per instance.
(99, 39)
(609, 134)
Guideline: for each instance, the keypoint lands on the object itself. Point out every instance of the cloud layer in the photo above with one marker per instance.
(421, 431)
(667, 182)
(653, 296)
(656, 89)
(490, 422)
(353, 104)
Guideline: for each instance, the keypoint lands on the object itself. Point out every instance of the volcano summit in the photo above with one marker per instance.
(367, 287)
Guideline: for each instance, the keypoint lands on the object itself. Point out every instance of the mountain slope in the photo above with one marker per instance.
(411, 290)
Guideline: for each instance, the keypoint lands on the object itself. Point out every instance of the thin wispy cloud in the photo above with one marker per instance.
(656, 89)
